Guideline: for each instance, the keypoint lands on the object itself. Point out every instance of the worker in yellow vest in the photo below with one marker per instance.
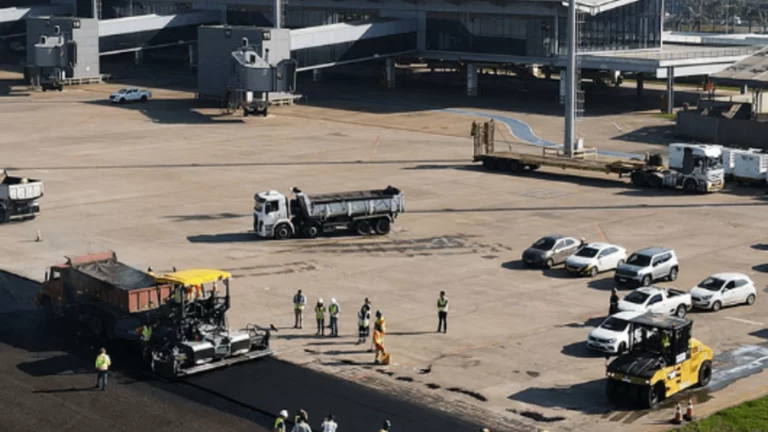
(333, 311)
(280, 422)
(102, 367)
(379, 330)
(320, 315)
(442, 313)
(146, 333)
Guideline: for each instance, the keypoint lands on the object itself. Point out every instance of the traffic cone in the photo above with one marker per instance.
(678, 418)
(689, 411)
(38, 237)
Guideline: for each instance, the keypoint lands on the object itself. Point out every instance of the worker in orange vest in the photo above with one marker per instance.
(379, 330)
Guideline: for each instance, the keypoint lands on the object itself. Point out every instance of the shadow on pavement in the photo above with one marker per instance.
(604, 284)
(171, 111)
(224, 238)
(580, 350)
(588, 397)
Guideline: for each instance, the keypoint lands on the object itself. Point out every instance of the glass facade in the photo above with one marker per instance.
(634, 26)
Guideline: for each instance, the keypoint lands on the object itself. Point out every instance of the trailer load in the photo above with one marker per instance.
(177, 322)
(18, 197)
(701, 170)
(365, 212)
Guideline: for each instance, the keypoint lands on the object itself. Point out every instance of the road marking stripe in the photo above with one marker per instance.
(745, 321)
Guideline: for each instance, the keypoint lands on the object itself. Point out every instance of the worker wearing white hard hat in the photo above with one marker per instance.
(333, 311)
(320, 315)
(280, 422)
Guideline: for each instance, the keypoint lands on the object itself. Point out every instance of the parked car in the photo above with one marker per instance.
(550, 251)
(130, 94)
(612, 336)
(723, 289)
(647, 266)
(668, 301)
(594, 258)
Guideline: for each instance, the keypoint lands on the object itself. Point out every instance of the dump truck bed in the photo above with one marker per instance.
(354, 195)
(19, 188)
(105, 279)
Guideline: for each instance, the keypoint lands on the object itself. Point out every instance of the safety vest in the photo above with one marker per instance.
(146, 333)
(377, 337)
(102, 362)
(364, 318)
(334, 310)
(665, 341)
(299, 301)
(442, 304)
(381, 325)
(320, 312)
(279, 425)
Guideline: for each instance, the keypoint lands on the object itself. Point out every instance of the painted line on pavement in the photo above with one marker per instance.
(745, 321)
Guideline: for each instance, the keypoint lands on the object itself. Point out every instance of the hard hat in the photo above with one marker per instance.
(284, 413)
(320, 300)
(333, 300)
(387, 424)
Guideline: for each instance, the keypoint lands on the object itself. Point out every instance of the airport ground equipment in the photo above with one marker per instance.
(663, 359)
(186, 312)
(702, 169)
(18, 197)
(366, 212)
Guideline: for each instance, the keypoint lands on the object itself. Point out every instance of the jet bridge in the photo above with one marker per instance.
(13, 14)
(253, 78)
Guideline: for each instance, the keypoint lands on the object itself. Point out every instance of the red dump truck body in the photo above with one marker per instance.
(101, 278)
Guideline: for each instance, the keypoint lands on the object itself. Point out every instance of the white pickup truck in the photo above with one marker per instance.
(130, 94)
(668, 301)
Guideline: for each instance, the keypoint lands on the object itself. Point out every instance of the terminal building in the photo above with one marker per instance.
(615, 37)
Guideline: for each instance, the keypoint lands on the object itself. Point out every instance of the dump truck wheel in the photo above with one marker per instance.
(3, 215)
(611, 390)
(705, 373)
(383, 226)
(690, 186)
(515, 166)
(311, 230)
(282, 232)
(363, 227)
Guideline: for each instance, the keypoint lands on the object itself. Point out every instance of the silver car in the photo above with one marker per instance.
(550, 251)
(646, 266)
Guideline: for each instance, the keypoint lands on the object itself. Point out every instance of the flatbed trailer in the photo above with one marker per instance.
(703, 173)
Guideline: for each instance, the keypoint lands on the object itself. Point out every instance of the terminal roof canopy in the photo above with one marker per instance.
(752, 71)
(594, 7)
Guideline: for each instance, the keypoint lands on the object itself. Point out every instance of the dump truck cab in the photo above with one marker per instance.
(271, 210)
(663, 359)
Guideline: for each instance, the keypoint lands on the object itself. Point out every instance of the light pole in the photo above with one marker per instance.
(570, 84)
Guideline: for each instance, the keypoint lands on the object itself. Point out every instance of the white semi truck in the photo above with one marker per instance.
(18, 196)
(365, 212)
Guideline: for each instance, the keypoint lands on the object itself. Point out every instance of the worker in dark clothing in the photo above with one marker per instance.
(442, 313)
(386, 427)
(614, 302)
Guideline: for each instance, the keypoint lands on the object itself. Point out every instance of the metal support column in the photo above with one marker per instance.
(556, 39)
(278, 11)
(389, 64)
(471, 79)
(317, 75)
(570, 84)
(94, 9)
(138, 57)
(640, 81)
(670, 90)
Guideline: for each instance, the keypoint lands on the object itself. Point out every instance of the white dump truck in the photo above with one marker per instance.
(365, 212)
(18, 196)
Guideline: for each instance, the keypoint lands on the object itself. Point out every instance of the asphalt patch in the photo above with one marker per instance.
(433, 386)
(533, 374)
(539, 417)
(404, 378)
(470, 393)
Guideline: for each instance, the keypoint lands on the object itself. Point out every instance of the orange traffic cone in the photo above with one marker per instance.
(689, 411)
(678, 418)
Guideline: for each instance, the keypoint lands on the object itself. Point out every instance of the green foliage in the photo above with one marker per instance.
(747, 417)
